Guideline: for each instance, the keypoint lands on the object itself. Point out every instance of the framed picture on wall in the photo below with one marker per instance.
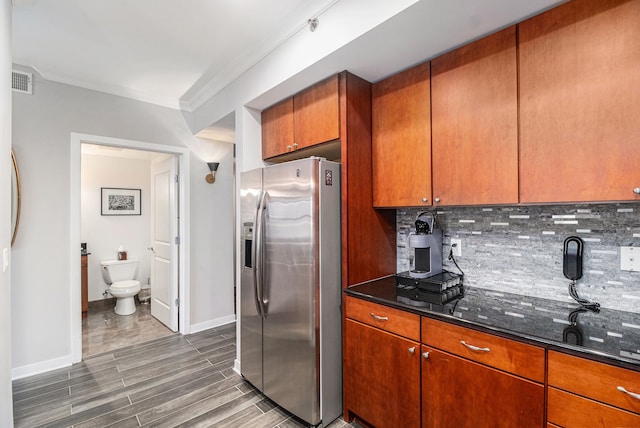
(117, 201)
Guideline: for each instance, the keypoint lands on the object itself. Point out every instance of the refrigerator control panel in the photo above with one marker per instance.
(247, 238)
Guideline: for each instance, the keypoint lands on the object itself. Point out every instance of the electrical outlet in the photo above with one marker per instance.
(630, 259)
(456, 246)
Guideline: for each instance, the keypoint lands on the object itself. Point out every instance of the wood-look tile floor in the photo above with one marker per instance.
(177, 380)
(103, 330)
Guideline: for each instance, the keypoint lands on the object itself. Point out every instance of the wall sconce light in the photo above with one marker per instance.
(211, 177)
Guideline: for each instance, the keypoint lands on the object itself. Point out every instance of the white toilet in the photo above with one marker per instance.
(120, 275)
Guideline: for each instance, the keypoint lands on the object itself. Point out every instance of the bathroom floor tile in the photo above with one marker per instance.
(104, 331)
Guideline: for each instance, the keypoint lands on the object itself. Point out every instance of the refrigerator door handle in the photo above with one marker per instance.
(258, 266)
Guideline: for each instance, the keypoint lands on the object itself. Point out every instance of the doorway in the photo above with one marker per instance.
(141, 250)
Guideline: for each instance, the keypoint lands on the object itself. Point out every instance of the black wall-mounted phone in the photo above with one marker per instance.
(572, 258)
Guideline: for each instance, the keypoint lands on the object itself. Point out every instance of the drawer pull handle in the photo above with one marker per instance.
(474, 348)
(378, 317)
(633, 394)
(425, 355)
(412, 350)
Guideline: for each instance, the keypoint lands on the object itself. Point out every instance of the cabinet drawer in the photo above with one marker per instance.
(569, 410)
(504, 354)
(594, 380)
(389, 319)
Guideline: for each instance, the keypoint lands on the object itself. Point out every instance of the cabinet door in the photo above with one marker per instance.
(401, 139)
(317, 114)
(460, 393)
(580, 102)
(382, 377)
(277, 129)
(474, 93)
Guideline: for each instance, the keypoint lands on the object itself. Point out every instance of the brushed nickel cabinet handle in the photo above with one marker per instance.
(437, 200)
(425, 199)
(475, 348)
(295, 145)
(425, 355)
(378, 317)
(633, 394)
(289, 148)
(412, 350)
(636, 190)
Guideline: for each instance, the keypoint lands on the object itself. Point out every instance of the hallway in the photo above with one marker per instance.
(170, 381)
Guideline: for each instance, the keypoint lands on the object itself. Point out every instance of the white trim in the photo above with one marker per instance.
(236, 366)
(213, 323)
(41, 367)
(74, 229)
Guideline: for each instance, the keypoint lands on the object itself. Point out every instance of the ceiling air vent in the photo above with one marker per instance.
(21, 82)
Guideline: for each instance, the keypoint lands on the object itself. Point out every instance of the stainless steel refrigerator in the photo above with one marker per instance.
(290, 320)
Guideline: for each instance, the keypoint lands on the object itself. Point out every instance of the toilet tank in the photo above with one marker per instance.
(118, 270)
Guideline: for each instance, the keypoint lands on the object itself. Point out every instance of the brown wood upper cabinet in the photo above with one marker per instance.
(277, 129)
(316, 113)
(308, 118)
(401, 139)
(580, 102)
(474, 96)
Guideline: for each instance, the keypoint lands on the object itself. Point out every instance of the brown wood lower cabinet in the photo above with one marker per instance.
(457, 392)
(382, 377)
(453, 376)
(587, 393)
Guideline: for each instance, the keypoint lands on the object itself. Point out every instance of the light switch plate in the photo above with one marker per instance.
(630, 259)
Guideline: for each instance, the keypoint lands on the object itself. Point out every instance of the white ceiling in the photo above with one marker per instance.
(158, 51)
(173, 52)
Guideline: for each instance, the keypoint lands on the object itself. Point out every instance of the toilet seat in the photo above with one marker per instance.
(130, 285)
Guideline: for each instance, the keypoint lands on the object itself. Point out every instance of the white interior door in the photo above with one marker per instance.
(164, 236)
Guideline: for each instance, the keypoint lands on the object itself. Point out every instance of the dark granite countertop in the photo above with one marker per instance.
(608, 335)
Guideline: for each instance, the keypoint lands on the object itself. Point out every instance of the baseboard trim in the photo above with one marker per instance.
(236, 366)
(42, 367)
(212, 323)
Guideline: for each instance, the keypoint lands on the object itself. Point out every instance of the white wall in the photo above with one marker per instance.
(42, 124)
(6, 407)
(104, 234)
(213, 211)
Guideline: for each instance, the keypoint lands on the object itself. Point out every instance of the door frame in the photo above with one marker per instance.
(182, 154)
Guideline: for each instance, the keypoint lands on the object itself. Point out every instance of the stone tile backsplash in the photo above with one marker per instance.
(518, 249)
